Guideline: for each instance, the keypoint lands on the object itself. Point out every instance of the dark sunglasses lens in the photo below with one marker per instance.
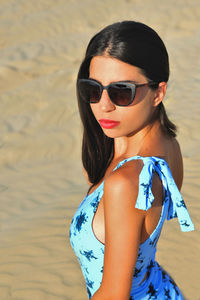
(89, 91)
(121, 94)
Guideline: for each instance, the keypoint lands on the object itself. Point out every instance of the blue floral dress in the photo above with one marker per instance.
(90, 251)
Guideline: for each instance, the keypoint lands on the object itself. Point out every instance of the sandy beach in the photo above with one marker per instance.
(42, 43)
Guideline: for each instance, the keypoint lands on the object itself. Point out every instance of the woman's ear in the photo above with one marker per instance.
(160, 93)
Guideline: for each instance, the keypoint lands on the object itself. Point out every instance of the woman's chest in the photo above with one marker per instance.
(88, 221)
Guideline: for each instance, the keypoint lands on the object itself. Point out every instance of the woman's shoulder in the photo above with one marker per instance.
(125, 171)
(167, 148)
(121, 190)
(122, 184)
(175, 161)
(126, 179)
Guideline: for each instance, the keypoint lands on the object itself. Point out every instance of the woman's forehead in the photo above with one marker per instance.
(108, 68)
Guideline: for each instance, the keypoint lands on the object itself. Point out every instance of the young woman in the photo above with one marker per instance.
(133, 164)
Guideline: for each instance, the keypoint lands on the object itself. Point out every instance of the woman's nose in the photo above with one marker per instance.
(105, 102)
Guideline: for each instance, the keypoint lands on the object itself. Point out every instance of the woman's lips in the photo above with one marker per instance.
(105, 123)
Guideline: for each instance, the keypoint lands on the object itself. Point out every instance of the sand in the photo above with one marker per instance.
(42, 43)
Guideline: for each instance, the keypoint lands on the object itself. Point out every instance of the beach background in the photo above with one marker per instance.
(42, 43)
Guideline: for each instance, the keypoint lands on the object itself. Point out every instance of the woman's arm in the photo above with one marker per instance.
(123, 225)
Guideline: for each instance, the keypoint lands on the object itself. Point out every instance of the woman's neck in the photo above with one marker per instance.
(135, 144)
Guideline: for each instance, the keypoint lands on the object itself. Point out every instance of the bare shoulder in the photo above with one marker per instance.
(176, 162)
(176, 148)
(122, 185)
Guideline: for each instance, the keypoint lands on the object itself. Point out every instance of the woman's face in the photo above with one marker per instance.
(130, 119)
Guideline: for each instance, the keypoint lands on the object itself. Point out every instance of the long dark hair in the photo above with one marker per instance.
(136, 44)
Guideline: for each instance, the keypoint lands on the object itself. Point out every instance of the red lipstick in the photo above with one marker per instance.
(105, 123)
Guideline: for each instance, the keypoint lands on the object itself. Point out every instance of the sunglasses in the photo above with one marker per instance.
(121, 93)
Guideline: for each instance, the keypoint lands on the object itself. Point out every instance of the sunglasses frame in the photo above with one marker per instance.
(133, 86)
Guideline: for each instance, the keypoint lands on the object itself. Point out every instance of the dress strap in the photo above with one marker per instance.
(177, 207)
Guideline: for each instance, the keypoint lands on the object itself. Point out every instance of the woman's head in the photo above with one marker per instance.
(131, 42)
(137, 45)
